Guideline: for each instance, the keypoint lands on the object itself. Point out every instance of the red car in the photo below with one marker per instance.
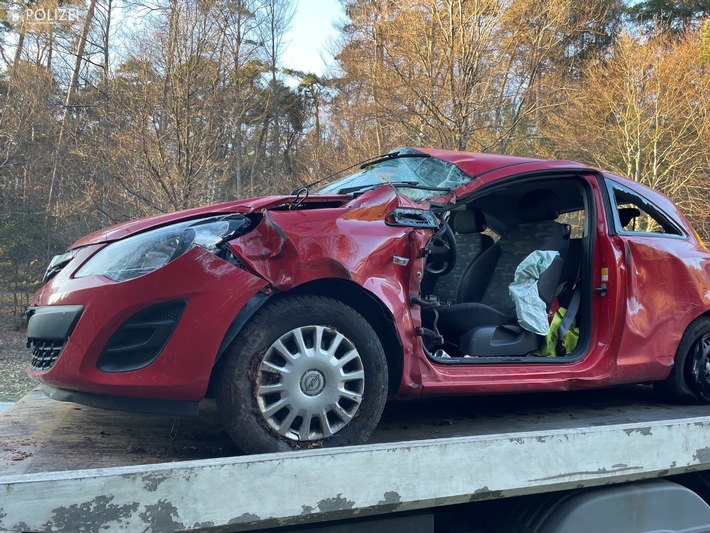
(302, 313)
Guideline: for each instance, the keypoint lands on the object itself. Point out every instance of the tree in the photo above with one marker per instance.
(669, 17)
(316, 93)
(645, 113)
(23, 245)
(704, 58)
(202, 112)
(69, 104)
(278, 15)
(467, 75)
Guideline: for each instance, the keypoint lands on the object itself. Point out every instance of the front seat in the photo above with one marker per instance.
(470, 244)
(485, 322)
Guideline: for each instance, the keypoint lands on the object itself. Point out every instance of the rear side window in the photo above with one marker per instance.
(634, 214)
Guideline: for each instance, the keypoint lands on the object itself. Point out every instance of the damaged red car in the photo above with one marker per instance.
(425, 272)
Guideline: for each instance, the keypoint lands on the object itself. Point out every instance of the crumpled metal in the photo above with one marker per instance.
(529, 307)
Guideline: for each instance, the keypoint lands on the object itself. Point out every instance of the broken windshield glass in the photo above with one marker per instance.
(415, 174)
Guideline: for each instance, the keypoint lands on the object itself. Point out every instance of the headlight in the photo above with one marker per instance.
(143, 253)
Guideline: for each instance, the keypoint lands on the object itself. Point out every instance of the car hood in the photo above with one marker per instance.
(246, 206)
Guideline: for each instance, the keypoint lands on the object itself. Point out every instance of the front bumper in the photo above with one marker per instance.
(123, 403)
(154, 337)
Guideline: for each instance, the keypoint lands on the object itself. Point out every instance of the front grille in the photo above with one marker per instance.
(45, 352)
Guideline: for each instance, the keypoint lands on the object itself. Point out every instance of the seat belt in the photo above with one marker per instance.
(569, 317)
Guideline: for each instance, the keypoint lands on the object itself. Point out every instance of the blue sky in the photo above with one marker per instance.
(312, 27)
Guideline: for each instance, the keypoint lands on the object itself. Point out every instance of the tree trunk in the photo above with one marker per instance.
(73, 85)
(104, 118)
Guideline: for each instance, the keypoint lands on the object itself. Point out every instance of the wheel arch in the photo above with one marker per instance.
(704, 314)
(348, 292)
(240, 320)
(681, 383)
(689, 324)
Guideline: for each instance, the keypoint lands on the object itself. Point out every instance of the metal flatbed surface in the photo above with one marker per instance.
(62, 465)
(42, 435)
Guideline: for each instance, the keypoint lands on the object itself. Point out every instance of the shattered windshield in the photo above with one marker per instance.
(414, 174)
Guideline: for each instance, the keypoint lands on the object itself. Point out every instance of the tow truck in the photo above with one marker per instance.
(609, 460)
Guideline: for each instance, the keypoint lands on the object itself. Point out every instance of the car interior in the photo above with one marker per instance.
(469, 314)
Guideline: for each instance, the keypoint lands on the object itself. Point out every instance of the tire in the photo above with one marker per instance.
(305, 372)
(689, 379)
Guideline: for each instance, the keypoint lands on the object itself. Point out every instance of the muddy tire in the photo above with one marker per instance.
(305, 372)
(690, 378)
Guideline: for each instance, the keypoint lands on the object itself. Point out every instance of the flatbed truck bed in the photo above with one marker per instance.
(65, 467)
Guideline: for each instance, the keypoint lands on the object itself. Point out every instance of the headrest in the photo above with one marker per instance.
(539, 204)
(469, 221)
(627, 214)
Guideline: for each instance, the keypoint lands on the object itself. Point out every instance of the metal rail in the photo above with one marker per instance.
(253, 492)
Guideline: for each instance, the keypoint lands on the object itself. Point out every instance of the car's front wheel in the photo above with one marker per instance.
(690, 377)
(306, 371)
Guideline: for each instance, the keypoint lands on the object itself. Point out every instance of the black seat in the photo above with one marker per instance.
(470, 244)
(484, 322)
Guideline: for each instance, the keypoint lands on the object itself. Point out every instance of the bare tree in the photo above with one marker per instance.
(644, 112)
(458, 74)
(69, 101)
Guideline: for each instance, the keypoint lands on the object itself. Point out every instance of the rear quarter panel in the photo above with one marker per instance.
(664, 284)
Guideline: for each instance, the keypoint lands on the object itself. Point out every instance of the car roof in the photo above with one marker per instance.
(475, 164)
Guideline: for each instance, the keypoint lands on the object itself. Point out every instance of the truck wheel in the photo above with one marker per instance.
(305, 372)
(690, 377)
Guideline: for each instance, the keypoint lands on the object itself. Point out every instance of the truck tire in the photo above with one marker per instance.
(689, 379)
(305, 372)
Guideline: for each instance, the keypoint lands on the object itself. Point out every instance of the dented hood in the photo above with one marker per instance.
(249, 205)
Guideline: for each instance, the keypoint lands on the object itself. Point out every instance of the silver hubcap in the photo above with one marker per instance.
(310, 383)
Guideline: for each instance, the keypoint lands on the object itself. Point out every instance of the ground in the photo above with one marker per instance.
(14, 357)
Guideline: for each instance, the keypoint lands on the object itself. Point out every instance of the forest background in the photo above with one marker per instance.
(127, 108)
